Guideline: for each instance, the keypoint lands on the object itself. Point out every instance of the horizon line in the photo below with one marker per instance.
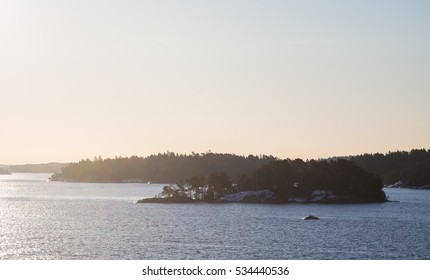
(210, 152)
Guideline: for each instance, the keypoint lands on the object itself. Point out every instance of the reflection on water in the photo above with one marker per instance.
(56, 220)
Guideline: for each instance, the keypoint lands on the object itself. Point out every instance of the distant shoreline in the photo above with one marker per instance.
(4, 172)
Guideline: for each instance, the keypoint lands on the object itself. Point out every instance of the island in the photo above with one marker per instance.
(281, 181)
(4, 171)
(52, 167)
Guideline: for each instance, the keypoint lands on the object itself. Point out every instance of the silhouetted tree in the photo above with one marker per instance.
(412, 168)
(219, 184)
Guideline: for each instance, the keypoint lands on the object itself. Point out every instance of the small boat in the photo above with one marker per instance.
(310, 217)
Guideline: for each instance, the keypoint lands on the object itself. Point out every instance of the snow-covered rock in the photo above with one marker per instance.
(316, 196)
(310, 217)
(322, 196)
(297, 199)
(398, 184)
(264, 196)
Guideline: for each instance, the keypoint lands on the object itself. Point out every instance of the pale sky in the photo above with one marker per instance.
(305, 79)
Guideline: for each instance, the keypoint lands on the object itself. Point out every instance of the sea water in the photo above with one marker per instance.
(59, 220)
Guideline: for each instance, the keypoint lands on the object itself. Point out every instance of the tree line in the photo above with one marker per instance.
(412, 168)
(166, 167)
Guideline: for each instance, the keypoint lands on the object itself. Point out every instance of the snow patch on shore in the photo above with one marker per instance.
(398, 184)
(250, 196)
(318, 196)
(297, 199)
(322, 196)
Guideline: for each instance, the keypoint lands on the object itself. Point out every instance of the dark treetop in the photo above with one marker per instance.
(412, 168)
(341, 180)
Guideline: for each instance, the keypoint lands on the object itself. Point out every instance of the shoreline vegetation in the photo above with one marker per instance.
(163, 168)
(411, 168)
(210, 177)
(396, 169)
(281, 181)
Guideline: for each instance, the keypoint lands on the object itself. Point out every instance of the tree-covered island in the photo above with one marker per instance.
(336, 181)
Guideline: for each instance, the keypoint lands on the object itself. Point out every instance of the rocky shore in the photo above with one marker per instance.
(180, 199)
(403, 185)
(265, 196)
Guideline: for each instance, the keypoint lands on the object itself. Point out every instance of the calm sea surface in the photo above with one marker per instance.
(56, 220)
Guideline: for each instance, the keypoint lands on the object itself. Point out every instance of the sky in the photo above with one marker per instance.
(307, 79)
